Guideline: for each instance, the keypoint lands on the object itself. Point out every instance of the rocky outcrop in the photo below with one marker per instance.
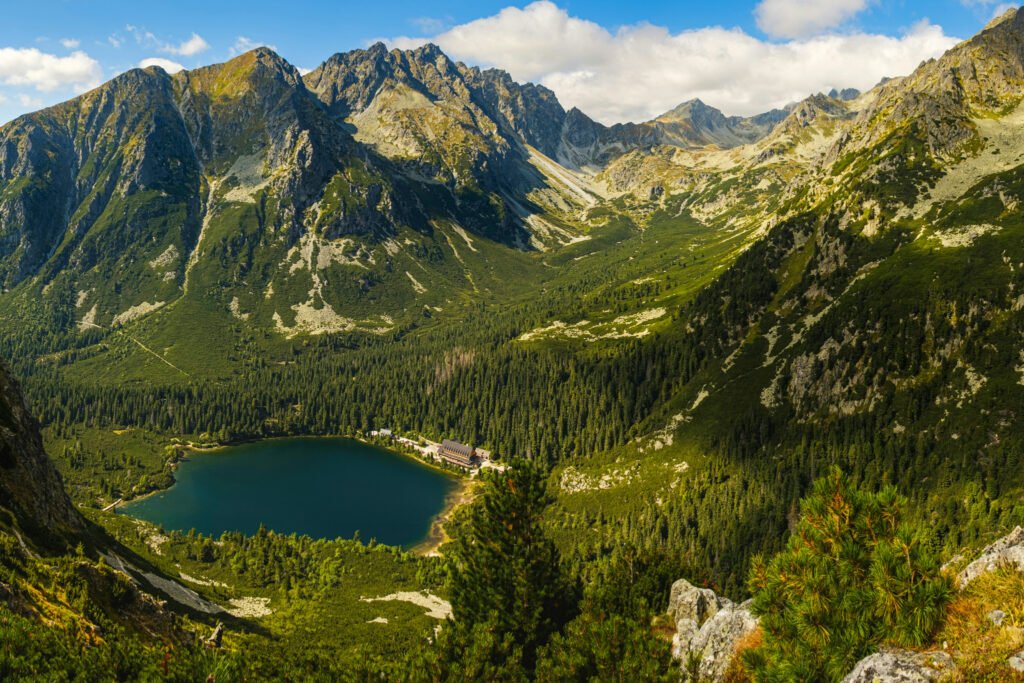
(716, 641)
(708, 628)
(31, 489)
(686, 601)
(1008, 550)
(901, 666)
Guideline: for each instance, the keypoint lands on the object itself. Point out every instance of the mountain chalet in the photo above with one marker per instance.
(458, 453)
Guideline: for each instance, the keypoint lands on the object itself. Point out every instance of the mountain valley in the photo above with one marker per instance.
(681, 324)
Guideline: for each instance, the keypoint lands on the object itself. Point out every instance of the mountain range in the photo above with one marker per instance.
(688, 320)
(129, 193)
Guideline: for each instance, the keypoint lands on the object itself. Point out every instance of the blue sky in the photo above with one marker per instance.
(615, 60)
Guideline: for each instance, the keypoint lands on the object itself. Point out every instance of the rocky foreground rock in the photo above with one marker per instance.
(901, 666)
(709, 627)
(1008, 550)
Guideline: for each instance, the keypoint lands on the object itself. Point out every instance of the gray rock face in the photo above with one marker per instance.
(716, 641)
(1007, 550)
(901, 666)
(708, 627)
(686, 631)
(686, 601)
(30, 486)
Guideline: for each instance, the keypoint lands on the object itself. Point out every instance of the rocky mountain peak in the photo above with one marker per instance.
(844, 95)
(697, 112)
(429, 52)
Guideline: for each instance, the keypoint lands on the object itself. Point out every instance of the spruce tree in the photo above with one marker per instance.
(506, 571)
(508, 592)
(851, 577)
(607, 648)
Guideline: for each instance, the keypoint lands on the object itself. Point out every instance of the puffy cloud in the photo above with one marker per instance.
(799, 18)
(45, 72)
(70, 43)
(165, 64)
(642, 70)
(188, 48)
(244, 44)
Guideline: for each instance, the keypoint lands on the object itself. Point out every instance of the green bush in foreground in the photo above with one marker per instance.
(606, 648)
(851, 577)
(509, 594)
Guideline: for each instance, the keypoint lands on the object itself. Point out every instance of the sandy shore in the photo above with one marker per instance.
(436, 537)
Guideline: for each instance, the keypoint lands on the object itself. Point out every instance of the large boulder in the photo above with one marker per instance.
(901, 666)
(686, 631)
(686, 601)
(716, 641)
(1007, 550)
(708, 627)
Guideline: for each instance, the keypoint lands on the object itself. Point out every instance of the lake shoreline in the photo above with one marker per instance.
(438, 534)
(462, 493)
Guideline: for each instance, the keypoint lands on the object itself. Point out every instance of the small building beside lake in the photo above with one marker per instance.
(458, 453)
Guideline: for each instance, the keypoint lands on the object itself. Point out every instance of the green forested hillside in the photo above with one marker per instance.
(680, 338)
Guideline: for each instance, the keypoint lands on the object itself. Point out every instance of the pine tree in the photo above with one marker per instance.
(851, 577)
(606, 648)
(508, 592)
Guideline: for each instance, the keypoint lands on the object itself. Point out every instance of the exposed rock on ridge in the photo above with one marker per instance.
(31, 489)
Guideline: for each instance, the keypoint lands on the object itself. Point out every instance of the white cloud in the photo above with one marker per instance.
(800, 19)
(165, 64)
(428, 24)
(641, 71)
(993, 8)
(1002, 8)
(70, 43)
(115, 40)
(244, 44)
(188, 48)
(45, 72)
(29, 102)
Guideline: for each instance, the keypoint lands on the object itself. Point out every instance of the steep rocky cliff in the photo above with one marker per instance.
(31, 491)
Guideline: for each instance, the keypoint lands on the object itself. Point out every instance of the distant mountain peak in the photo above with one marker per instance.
(695, 106)
(429, 51)
(844, 95)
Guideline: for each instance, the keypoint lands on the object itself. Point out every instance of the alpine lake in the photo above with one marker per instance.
(319, 487)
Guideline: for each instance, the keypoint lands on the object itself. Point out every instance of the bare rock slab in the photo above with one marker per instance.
(901, 666)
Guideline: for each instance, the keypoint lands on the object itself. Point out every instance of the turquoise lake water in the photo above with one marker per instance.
(321, 487)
